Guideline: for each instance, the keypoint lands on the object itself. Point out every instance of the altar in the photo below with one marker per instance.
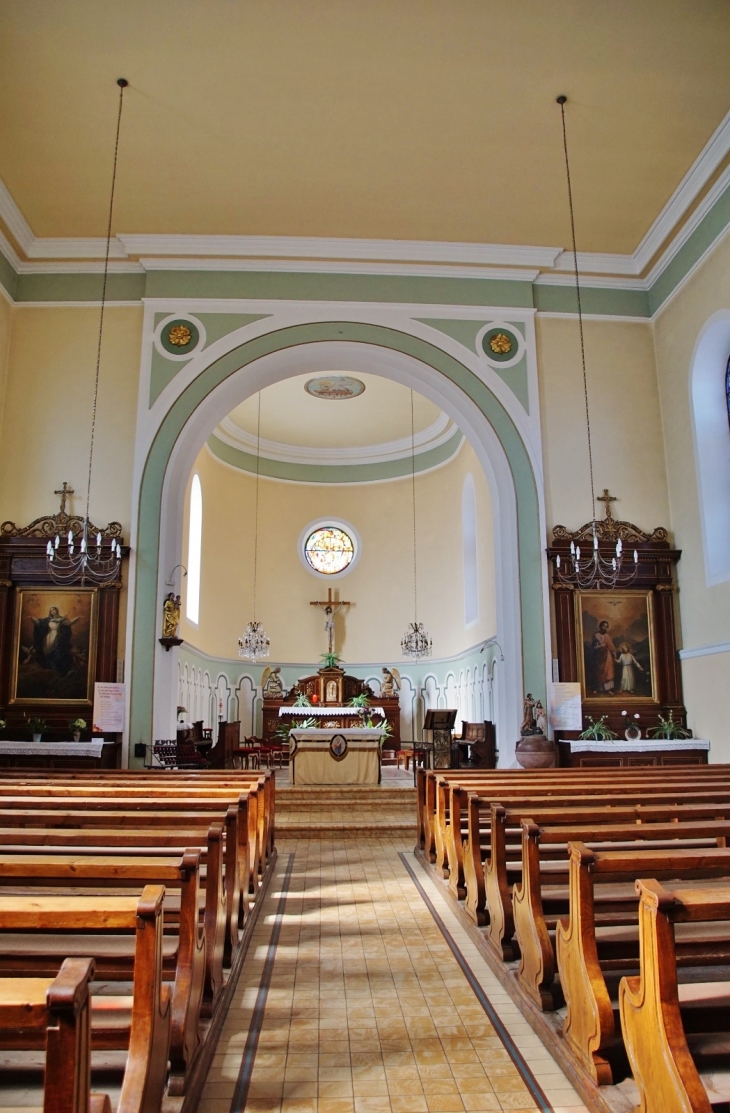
(331, 756)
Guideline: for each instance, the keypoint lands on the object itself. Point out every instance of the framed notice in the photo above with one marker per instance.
(565, 707)
(108, 708)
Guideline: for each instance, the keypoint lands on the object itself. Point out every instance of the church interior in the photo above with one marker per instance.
(364, 556)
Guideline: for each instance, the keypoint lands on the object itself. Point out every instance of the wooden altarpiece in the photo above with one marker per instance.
(23, 571)
(656, 583)
(332, 687)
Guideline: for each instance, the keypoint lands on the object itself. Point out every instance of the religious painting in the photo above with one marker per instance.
(54, 646)
(615, 635)
(334, 388)
(338, 746)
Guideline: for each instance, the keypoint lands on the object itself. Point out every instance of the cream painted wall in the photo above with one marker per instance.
(46, 417)
(705, 611)
(47, 414)
(626, 429)
(6, 320)
(381, 584)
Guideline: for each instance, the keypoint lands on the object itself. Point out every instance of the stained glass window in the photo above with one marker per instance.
(329, 550)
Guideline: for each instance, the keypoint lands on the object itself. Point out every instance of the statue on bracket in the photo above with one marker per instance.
(170, 615)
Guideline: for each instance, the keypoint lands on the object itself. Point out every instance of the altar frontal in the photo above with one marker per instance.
(332, 756)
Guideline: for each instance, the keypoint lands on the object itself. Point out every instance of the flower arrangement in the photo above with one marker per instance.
(36, 725)
(77, 724)
(598, 731)
(668, 730)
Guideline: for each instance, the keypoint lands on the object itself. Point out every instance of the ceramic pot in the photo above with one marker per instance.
(535, 751)
(77, 736)
(37, 737)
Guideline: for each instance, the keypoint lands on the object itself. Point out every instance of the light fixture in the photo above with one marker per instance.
(82, 557)
(592, 568)
(255, 643)
(415, 642)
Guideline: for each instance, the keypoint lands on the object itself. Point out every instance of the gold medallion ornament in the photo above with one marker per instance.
(500, 344)
(180, 336)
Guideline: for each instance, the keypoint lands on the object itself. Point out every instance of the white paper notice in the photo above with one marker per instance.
(108, 708)
(565, 707)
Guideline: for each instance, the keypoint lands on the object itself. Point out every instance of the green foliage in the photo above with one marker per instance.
(669, 730)
(330, 660)
(36, 725)
(598, 732)
(359, 701)
(302, 701)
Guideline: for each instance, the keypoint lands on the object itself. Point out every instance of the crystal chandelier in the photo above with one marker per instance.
(592, 568)
(255, 643)
(415, 642)
(83, 558)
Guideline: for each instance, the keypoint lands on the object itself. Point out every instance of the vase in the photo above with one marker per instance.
(37, 736)
(535, 751)
(77, 736)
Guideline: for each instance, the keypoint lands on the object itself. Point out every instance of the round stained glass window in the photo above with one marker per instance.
(329, 550)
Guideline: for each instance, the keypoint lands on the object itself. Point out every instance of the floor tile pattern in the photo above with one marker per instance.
(367, 1009)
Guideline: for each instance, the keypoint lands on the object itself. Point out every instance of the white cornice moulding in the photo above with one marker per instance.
(436, 434)
(597, 281)
(694, 180)
(15, 220)
(10, 253)
(597, 262)
(304, 247)
(704, 207)
(90, 248)
(704, 651)
(313, 266)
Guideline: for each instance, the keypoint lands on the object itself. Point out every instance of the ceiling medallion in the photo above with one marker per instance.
(180, 336)
(334, 387)
(500, 344)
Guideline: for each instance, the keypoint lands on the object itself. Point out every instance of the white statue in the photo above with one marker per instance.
(271, 682)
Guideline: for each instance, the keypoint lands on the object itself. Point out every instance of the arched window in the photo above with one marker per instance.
(469, 551)
(710, 400)
(195, 545)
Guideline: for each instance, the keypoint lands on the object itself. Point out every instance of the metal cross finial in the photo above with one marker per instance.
(607, 499)
(64, 492)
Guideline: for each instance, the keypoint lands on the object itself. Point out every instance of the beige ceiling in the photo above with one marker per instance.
(290, 416)
(404, 119)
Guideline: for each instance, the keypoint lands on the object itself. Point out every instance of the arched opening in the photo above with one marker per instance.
(711, 430)
(229, 378)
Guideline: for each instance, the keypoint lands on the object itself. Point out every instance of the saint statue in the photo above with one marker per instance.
(271, 682)
(170, 615)
(528, 715)
(540, 718)
(390, 683)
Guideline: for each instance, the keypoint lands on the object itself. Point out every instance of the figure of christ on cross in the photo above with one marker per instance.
(64, 492)
(331, 607)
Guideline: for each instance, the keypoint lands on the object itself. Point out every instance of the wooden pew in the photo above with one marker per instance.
(657, 1013)
(585, 956)
(187, 947)
(148, 1034)
(57, 1009)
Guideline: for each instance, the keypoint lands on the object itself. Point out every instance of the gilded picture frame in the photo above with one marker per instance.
(54, 646)
(616, 646)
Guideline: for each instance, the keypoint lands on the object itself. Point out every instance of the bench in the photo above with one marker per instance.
(658, 1014)
(145, 1032)
(598, 940)
(57, 1008)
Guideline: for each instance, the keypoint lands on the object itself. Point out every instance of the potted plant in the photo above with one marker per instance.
(36, 726)
(77, 725)
(598, 732)
(361, 703)
(667, 730)
(330, 660)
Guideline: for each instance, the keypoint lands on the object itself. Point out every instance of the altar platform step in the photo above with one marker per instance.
(345, 811)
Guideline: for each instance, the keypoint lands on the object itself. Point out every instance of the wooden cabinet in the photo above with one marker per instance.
(341, 688)
(619, 755)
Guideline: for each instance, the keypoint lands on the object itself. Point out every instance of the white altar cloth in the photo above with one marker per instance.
(318, 709)
(643, 745)
(92, 748)
(311, 761)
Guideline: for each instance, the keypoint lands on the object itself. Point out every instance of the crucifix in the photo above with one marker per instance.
(331, 607)
(64, 492)
(607, 499)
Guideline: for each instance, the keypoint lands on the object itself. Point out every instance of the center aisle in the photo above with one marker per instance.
(357, 997)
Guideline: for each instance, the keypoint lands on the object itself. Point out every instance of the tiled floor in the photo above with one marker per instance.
(367, 1009)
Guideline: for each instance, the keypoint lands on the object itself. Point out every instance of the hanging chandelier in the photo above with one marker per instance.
(591, 568)
(415, 642)
(84, 557)
(255, 642)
